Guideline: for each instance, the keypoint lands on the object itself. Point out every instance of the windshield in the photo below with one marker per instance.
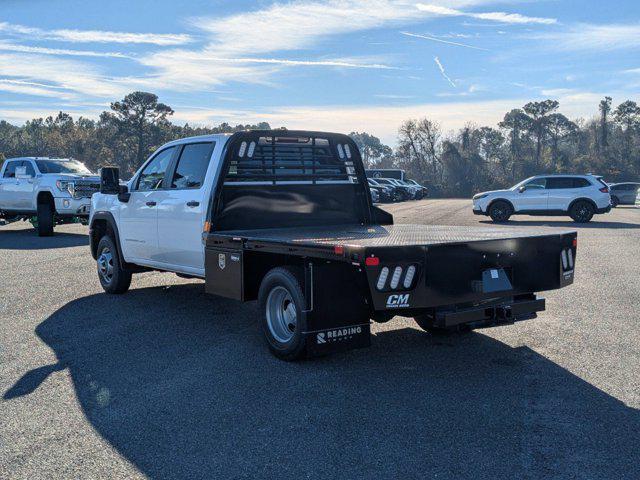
(62, 166)
(518, 185)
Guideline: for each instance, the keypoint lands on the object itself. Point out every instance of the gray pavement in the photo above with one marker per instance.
(167, 382)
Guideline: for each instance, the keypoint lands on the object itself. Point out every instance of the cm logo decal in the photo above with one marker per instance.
(398, 301)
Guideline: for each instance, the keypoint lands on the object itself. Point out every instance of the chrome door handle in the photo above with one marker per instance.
(151, 204)
(193, 203)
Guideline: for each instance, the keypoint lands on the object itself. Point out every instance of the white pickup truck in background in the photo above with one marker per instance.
(46, 191)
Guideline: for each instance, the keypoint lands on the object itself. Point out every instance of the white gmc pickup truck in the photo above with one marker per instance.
(46, 191)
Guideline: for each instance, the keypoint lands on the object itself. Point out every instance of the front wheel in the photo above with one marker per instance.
(110, 273)
(500, 211)
(581, 212)
(614, 202)
(283, 317)
(45, 219)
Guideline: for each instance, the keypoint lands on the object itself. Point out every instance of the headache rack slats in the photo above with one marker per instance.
(278, 160)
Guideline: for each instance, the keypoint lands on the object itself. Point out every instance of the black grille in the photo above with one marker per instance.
(274, 159)
(84, 189)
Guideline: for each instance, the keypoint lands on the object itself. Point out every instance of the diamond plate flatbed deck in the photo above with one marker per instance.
(384, 236)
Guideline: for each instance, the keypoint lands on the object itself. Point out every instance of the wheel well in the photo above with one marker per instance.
(45, 198)
(588, 200)
(501, 200)
(258, 264)
(98, 229)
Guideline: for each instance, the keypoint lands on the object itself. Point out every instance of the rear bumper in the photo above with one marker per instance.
(485, 316)
(606, 209)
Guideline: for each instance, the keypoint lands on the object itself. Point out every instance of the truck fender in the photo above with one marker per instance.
(101, 222)
(42, 196)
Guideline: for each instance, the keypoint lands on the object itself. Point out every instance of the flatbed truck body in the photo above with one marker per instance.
(289, 222)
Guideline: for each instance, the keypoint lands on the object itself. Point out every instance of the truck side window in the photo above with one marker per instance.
(10, 170)
(152, 175)
(192, 166)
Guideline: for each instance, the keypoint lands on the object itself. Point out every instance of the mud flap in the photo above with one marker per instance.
(322, 342)
(338, 313)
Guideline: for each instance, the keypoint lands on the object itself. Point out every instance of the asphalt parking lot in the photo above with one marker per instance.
(167, 382)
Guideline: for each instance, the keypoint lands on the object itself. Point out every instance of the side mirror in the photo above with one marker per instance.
(522, 189)
(123, 194)
(110, 180)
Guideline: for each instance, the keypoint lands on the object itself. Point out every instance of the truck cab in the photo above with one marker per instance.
(286, 218)
(46, 191)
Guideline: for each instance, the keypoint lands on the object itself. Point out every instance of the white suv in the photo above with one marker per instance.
(578, 196)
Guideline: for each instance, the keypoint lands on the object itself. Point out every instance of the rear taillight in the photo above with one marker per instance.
(567, 259)
(397, 278)
(604, 189)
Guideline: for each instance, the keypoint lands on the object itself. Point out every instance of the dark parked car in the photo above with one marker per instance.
(385, 192)
(624, 193)
(400, 192)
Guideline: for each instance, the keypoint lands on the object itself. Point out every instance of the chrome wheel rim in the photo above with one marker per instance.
(105, 265)
(282, 316)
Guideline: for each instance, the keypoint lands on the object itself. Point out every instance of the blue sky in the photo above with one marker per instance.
(328, 65)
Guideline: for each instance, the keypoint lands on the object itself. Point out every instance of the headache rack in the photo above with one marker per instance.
(285, 178)
(291, 159)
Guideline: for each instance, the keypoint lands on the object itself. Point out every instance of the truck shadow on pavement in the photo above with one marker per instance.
(182, 385)
(28, 239)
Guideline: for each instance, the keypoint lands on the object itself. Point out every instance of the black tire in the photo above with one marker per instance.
(500, 211)
(107, 257)
(581, 211)
(426, 324)
(279, 298)
(614, 201)
(45, 219)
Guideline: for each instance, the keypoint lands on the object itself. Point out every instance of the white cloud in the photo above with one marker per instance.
(70, 75)
(12, 47)
(443, 73)
(434, 39)
(590, 37)
(31, 88)
(95, 36)
(502, 17)
(299, 25)
(297, 63)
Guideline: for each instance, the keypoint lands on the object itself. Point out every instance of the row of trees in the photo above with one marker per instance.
(535, 139)
(531, 140)
(124, 136)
